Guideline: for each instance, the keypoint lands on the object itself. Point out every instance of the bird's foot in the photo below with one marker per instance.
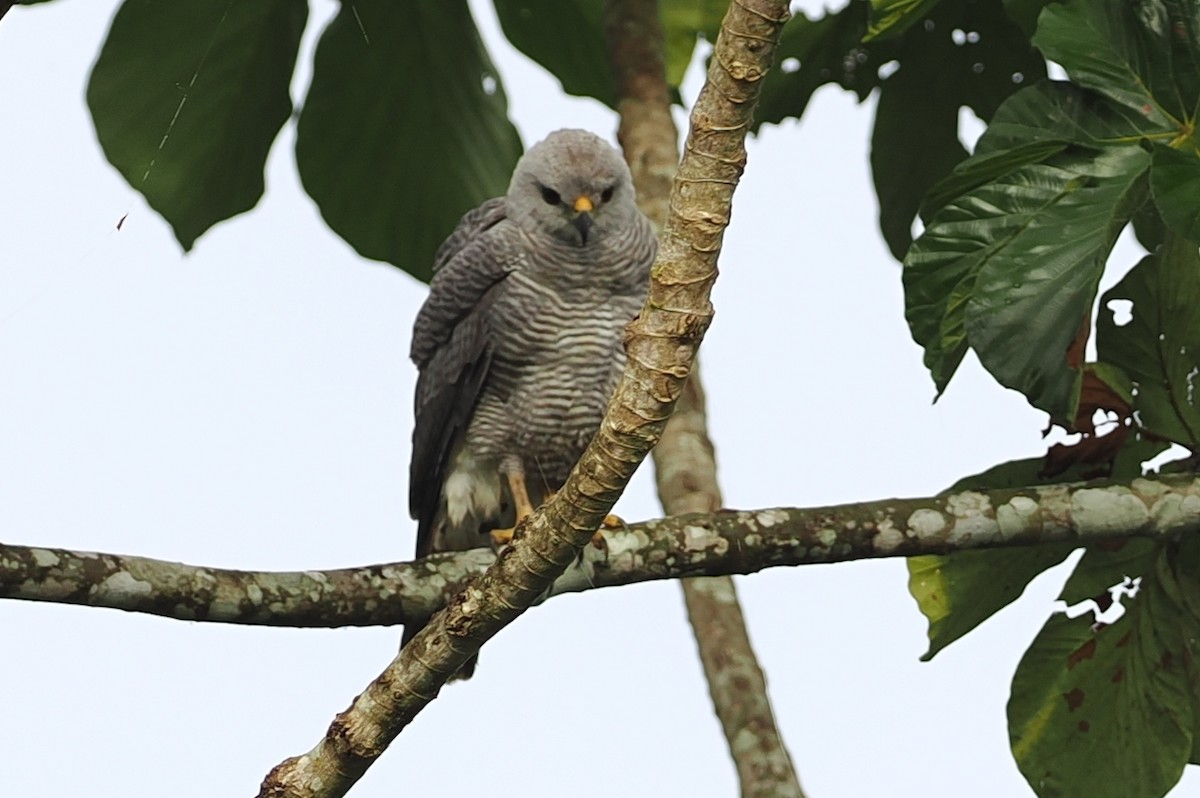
(612, 522)
(502, 537)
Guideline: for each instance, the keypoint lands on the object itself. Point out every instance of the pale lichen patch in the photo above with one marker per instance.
(44, 558)
(1112, 509)
(968, 503)
(699, 539)
(1016, 515)
(770, 518)
(1149, 488)
(1173, 511)
(827, 535)
(927, 524)
(254, 593)
(972, 517)
(123, 583)
(888, 537)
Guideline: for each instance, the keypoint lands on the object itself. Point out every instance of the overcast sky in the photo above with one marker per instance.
(249, 405)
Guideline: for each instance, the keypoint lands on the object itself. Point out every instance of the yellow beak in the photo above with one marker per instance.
(582, 204)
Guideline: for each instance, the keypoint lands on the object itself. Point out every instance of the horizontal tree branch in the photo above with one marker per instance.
(722, 543)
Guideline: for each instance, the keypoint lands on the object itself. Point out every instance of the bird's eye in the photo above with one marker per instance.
(607, 194)
(550, 196)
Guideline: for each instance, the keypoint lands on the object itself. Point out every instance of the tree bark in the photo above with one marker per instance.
(683, 458)
(722, 543)
(661, 345)
(687, 483)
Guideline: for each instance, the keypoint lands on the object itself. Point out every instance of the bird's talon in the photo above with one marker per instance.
(612, 522)
(502, 537)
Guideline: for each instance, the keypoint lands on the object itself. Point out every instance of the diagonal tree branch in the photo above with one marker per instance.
(722, 543)
(684, 459)
(661, 345)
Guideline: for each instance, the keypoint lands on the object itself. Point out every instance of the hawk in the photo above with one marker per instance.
(519, 344)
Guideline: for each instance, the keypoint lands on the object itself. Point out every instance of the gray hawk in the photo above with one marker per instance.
(519, 344)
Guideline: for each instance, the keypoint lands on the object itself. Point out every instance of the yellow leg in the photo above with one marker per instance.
(522, 505)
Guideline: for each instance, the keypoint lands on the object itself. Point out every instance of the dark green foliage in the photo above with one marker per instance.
(391, 157)
(188, 96)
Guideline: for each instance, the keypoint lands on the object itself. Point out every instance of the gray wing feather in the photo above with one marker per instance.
(451, 349)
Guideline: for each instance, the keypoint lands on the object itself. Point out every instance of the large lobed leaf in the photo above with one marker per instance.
(1159, 348)
(957, 592)
(1017, 235)
(1011, 269)
(187, 97)
(402, 133)
(1108, 711)
(1140, 53)
(968, 55)
(962, 54)
(1175, 185)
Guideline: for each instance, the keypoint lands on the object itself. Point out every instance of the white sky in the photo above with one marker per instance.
(249, 406)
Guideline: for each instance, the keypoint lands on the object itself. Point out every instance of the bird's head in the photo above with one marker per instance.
(573, 186)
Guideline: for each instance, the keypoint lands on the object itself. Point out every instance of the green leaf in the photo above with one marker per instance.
(1036, 123)
(187, 97)
(683, 21)
(1011, 268)
(1140, 54)
(957, 592)
(399, 134)
(1102, 710)
(965, 57)
(890, 18)
(966, 54)
(1025, 13)
(1175, 186)
(567, 38)
(1160, 347)
(813, 52)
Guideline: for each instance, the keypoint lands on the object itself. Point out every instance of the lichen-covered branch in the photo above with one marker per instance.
(660, 346)
(699, 544)
(683, 458)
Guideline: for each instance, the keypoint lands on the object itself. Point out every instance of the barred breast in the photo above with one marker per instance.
(558, 353)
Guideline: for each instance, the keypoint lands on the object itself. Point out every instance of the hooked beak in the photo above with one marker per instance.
(583, 221)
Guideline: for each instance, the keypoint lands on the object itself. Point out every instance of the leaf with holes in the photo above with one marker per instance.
(813, 52)
(1175, 186)
(1097, 708)
(964, 54)
(1160, 347)
(957, 592)
(187, 97)
(401, 134)
(966, 57)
